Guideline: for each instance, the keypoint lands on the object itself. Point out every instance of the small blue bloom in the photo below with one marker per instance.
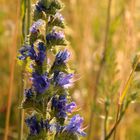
(70, 107)
(28, 93)
(40, 82)
(55, 38)
(41, 55)
(36, 126)
(61, 106)
(75, 125)
(33, 124)
(59, 16)
(41, 47)
(61, 57)
(63, 80)
(27, 51)
(36, 25)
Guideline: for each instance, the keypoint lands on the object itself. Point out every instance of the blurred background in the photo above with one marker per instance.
(94, 26)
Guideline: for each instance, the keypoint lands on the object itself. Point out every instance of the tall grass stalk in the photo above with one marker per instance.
(100, 68)
(121, 101)
(12, 69)
(26, 4)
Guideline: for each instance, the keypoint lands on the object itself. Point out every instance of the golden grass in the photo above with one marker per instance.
(86, 21)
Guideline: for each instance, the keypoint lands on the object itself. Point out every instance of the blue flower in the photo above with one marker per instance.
(75, 125)
(28, 93)
(59, 16)
(41, 53)
(61, 57)
(54, 35)
(36, 25)
(36, 126)
(60, 105)
(70, 107)
(55, 38)
(40, 82)
(40, 7)
(63, 80)
(27, 51)
(41, 47)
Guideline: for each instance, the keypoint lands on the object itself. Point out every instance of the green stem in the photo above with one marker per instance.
(117, 117)
(117, 123)
(25, 31)
(121, 101)
(28, 15)
(100, 68)
(105, 120)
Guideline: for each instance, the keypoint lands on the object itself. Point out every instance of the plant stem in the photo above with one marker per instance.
(12, 67)
(100, 68)
(121, 100)
(25, 32)
(117, 117)
(28, 15)
(116, 123)
(127, 85)
(105, 120)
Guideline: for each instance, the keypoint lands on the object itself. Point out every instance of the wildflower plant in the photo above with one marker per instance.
(47, 98)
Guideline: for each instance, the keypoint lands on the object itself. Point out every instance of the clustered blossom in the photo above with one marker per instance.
(40, 82)
(36, 126)
(55, 38)
(28, 93)
(61, 57)
(61, 106)
(74, 125)
(35, 27)
(47, 95)
(29, 51)
(62, 79)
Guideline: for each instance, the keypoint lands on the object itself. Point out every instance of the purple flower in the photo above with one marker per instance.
(36, 126)
(41, 55)
(61, 107)
(40, 7)
(63, 80)
(75, 125)
(28, 93)
(36, 25)
(70, 107)
(55, 38)
(40, 82)
(59, 16)
(27, 51)
(61, 57)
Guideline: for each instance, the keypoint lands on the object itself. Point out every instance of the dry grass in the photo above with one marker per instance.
(86, 21)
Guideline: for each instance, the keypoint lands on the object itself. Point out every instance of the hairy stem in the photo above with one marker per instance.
(25, 32)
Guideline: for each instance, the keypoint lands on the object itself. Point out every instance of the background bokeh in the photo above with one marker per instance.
(86, 20)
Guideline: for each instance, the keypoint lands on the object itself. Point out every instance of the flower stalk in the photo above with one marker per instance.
(47, 96)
